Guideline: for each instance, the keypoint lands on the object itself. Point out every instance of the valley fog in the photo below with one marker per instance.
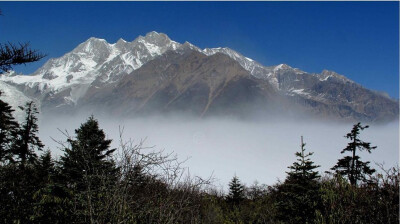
(223, 147)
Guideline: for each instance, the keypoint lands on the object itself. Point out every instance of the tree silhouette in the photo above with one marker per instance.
(8, 130)
(27, 140)
(303, 169)
(236, 191)
(298, 196)
(87, 156)
(351, 166)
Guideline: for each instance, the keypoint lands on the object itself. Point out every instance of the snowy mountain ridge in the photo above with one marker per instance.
(97, 58)
(96, 63)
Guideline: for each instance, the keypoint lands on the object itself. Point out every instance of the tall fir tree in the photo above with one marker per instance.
(298, 196)
(351, 166)
(27, 141)
(8, 130)
(303, 169)
(88, 172)
(50, 200)
(88, 154)
(236, 192)
(18, 183)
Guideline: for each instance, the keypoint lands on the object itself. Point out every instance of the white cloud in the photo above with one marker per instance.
(253, 150)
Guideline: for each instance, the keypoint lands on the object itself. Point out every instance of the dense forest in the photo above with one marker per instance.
(94, 183)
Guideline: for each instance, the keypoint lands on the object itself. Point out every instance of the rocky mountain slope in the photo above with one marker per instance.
(155, 74)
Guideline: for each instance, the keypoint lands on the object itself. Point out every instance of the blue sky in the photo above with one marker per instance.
(357, 39)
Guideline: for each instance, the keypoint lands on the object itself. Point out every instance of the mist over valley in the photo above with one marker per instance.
(255, 150)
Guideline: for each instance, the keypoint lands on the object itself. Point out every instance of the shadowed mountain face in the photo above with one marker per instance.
(188, 82)
(154, 74)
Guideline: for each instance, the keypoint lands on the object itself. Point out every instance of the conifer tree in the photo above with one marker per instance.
(27, 140)
(8, 130)
(87, 171)
(298, 196)
(20, 183)
(50, 200)
(351, 166)
(45, 168)
(303, 169)
(88, 154)
(236, 191)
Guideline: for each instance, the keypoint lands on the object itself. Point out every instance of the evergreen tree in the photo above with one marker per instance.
(88, 154)
(298, 196)
(27, 140)
(87, 171)
(18, 182)
(303, 169)
(8, 130)
(50, 200)
(351, 166)
(45, 168)
(236, 191)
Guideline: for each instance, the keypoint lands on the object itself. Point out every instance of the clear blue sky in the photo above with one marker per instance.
(357, 39)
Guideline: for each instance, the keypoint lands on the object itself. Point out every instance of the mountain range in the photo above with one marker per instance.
(154, 74)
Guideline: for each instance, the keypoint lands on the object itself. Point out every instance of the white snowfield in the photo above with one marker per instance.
(15, 99)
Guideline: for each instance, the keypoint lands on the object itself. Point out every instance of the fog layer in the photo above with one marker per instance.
(223, 147)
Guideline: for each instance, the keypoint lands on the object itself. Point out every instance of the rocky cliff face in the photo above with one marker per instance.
(154, 74)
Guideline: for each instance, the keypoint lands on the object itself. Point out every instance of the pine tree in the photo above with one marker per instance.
(303, 169)
(8, 130)
(87, 171)
(45, 168)
(51, 202)
(88, 154)
(351, 166)
(236, 191)
(27, 140)
(298, 196)
(20, 182)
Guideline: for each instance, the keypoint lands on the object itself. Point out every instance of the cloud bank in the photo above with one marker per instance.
(223, 146)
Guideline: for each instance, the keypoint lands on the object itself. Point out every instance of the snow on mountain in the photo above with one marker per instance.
(97, 59)
(269, 73)
(15, 99)
(91, 60)
(250, 65)
(96, 63)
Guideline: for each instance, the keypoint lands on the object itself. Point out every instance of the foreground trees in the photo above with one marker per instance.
(27, 141)
(8, 130)
(87, 170)
(17, 171)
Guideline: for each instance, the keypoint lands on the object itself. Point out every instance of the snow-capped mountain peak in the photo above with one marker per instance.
(93, 59)
(95, 63)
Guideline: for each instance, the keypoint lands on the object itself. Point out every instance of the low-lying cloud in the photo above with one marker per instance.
(223, 147)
